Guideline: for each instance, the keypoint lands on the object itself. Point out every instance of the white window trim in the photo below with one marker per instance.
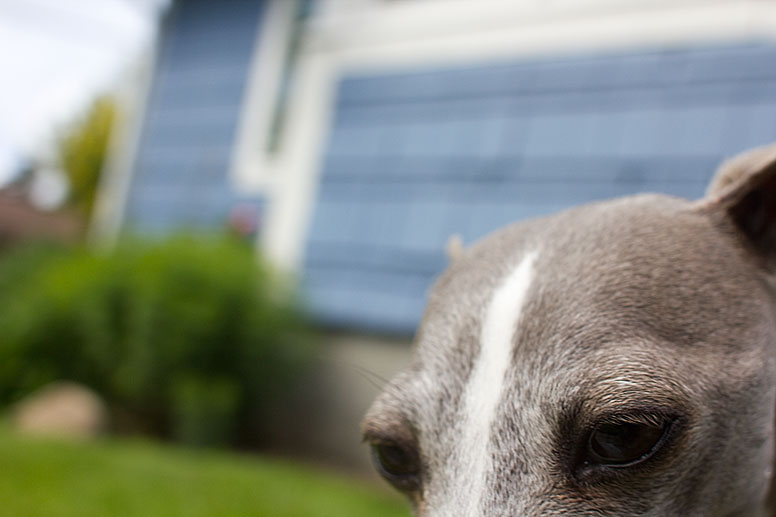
(251, 166)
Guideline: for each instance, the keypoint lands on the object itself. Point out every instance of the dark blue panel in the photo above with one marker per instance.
(416, 155)
(180, 177)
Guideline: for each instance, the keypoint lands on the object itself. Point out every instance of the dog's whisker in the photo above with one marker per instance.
(372, 377)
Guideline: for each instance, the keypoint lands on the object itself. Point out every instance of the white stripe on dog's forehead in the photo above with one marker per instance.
(485, 386)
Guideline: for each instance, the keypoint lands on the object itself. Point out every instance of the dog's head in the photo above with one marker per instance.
(614, 359)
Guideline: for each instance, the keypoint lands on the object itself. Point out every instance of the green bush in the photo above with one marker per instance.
(192, 337)
(203, 409)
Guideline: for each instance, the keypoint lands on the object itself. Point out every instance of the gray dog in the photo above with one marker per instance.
(615, 359)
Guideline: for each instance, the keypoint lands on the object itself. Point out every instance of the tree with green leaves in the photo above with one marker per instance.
(82, 149)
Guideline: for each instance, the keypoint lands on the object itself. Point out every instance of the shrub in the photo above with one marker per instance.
(192, 337)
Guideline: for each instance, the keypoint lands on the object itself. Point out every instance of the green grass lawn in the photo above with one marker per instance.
(48, 478)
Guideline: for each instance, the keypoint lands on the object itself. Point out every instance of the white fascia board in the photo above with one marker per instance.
(435, 33)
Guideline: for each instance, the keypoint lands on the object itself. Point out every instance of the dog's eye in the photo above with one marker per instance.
(624, 444)
(397, 464)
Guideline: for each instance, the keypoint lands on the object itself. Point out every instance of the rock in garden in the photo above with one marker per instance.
(64, 409)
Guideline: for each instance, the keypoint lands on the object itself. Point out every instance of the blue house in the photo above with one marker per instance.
(361, 134)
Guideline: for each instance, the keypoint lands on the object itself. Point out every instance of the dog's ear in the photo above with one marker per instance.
(744, 188)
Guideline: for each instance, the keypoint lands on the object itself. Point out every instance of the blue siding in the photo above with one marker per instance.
(181, 168)
(416, 156)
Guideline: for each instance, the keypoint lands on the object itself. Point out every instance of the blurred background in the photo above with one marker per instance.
(219, 219)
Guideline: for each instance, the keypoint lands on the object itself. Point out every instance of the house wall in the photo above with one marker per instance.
(321, 418)
(412, 121)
